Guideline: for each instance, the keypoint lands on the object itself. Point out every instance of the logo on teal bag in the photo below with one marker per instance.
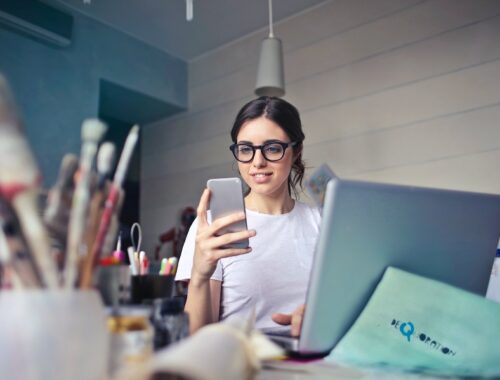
(407, 330)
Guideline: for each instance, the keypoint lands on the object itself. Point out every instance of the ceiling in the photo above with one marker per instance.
(162, 23)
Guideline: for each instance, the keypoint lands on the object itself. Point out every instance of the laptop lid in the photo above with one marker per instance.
(450, 236)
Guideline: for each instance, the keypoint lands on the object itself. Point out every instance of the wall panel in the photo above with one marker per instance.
(396, 91)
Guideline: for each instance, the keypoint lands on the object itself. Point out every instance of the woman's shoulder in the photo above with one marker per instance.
(306, 210)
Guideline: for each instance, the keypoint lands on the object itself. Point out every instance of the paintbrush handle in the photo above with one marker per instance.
(19, 267)
(91, 259)
(24, 203)
(125, 157)
(96, 205)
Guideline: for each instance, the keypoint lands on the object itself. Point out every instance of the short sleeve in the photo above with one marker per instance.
(186, 260)
(185, 265)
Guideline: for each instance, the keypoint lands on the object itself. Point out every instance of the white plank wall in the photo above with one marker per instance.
(401, 91)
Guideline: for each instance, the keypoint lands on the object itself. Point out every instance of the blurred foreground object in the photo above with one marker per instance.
(55, 335)
(220, 351)
(19, 186)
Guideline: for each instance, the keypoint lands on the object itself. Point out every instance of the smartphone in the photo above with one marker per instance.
(226, 197)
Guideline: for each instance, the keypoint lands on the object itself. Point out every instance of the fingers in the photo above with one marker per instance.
(201, 211)
(282, 319)
(229, 252)
(225, 221)
(297, 322)
(294, 319)
(231, 237)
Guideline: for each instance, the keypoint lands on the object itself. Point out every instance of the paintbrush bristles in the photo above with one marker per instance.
(105, 158)
(17, 165)
(93, 130)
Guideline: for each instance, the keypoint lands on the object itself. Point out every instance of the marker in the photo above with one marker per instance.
(133, 268)
(173, 265)
(163, 266)
(168, 268)
(118, 253)
(143, 263)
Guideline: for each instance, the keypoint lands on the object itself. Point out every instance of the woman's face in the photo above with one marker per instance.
(262, 176)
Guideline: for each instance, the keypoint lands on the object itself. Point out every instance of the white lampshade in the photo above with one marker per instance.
(270, 74)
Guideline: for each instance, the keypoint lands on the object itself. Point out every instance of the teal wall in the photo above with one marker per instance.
(56, 88)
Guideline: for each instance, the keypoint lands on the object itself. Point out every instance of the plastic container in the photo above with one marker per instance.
(113, 282)
(58, 334)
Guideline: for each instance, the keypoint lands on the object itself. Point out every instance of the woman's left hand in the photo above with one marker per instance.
(294, 319)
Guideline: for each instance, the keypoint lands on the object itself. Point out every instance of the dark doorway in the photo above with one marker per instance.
(121, 108)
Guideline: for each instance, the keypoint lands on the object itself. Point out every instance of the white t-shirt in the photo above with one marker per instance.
(274, 276)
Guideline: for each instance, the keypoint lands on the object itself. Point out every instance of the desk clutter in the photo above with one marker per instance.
(61, 247)
(72, 304)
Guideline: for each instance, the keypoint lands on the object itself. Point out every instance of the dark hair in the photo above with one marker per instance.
(287, 117)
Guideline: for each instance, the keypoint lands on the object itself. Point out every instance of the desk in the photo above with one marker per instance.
(317, 371)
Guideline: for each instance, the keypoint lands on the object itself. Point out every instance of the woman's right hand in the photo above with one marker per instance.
(208, 249)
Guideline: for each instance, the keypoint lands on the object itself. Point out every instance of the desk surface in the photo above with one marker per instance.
(321, 370)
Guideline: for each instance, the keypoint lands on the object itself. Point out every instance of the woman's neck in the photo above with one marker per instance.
(265, 204)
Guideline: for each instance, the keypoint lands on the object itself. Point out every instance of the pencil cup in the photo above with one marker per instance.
(147, 288)
(113, 283)
(58, 334)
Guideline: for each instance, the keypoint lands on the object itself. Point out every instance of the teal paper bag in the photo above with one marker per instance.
(416, 324)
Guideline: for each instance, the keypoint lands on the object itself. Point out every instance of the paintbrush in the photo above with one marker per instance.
(16, 255)
(111, 201)
(57, 211)
(105, 161)
(114, 225)
(92, 132)
(19, 186)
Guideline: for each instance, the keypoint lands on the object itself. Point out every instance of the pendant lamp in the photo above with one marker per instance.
(270, 73)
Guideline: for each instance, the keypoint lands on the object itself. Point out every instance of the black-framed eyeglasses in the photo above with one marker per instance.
(272, 151)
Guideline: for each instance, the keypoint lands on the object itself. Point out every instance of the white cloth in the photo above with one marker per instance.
(274, 276)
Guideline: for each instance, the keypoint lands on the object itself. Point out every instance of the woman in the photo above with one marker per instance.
(272, 275)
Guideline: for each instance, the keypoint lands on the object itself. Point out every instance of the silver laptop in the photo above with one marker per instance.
(450, 236)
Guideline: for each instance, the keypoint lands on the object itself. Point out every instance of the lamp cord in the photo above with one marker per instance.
(271, 34)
